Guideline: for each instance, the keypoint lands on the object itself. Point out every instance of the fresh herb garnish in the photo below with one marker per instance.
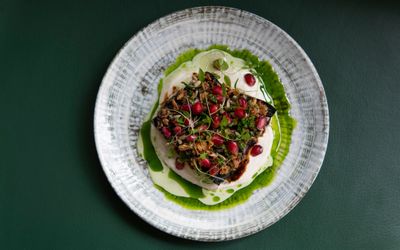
(220, 64)
(227, 80)
(201, 75)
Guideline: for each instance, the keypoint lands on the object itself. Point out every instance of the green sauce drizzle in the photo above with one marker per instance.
(282, 124)
(193, 190)
(216, 198)
(149, 154)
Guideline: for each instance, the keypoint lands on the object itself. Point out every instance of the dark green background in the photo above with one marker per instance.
(53, 193)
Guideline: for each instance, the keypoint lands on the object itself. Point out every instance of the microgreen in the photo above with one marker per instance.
(201, 75)
(220, 64)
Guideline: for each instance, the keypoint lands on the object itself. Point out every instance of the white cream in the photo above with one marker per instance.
(256, 165)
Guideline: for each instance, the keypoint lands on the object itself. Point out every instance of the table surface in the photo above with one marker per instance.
(53, 193)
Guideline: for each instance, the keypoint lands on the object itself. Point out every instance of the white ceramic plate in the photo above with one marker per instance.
(128, 91)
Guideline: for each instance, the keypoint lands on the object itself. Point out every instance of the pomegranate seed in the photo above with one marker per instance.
(240, 113)
(191, 138)
(202, 127)
(232, 147)
(166, 132)
(250, 79)
(217, 140)
(205, 163)
(175, 122)
(220, 98)
(261, 122)
(214, 171)
(179, 164)
(217, 90)
(197, 108)
(213, 108)
(187, 122)
(185, 107)
(215, 121)
(177, 130)
(256, 150)
(243, 103)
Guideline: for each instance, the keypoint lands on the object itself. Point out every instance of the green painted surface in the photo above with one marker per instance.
(53, 193)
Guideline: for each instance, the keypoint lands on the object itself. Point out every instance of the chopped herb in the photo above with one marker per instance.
(203, 155)
(223, 89)
(224, 122)
(201, 75)
(227, 80)
(236, 83)
(220, 64)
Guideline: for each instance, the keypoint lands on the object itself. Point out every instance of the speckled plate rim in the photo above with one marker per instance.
(324, 102)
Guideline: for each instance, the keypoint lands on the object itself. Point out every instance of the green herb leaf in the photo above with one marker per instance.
(224, 122)
(223, 89)
(245, 136)
(171, 153)
(213, 98)
(201, 75)
(236, 83)
(180, 120)
(203, 155)
(205, 119)
(220, 64)
(227, 80)
(216, 75)
(186, 113)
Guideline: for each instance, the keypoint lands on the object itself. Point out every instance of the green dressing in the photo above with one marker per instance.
(193, 190)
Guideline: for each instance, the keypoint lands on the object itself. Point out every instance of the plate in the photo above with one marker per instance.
(129, 89)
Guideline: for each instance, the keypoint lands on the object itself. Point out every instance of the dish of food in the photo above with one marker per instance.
(214, 127)
(211, 123)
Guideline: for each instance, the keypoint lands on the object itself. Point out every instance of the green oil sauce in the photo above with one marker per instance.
(193, 190)
(282, 124)
(230, 191)
(149, 154)
(216, 198)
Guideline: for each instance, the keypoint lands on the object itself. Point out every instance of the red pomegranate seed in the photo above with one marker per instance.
(232, 147)
(250, 79)
(240, 113)
(214, 171)
(166, 132)
(243, 103)
(220, 98)
(175, 122)
(191, 138)
(213, 108)
(186, 122)
(177, 130)
(217, 140)
(217, 90)
(205, 163)
(197, 108)
(185, 107)
(261, 122)
(256, 150)
(179, 164)
(202, 127)
(215, 121)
